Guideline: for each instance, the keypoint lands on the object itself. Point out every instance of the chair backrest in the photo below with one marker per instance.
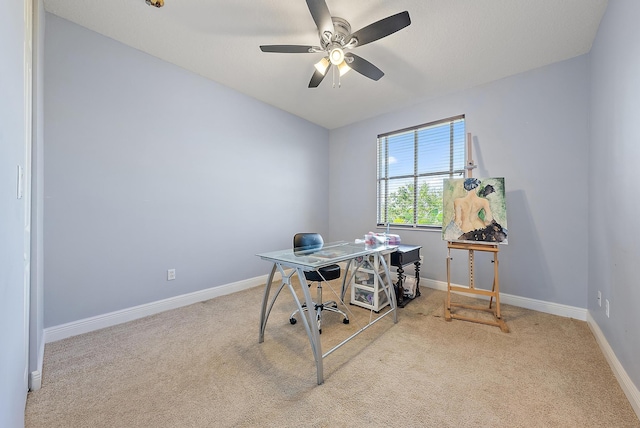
(307, 241)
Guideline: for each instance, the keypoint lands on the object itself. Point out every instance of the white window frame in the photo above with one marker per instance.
(454, 169)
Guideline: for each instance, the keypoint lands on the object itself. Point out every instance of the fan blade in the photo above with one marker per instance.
(382, 28)
(321, 15)
(286, 48)
(364, 67)
(317, 78)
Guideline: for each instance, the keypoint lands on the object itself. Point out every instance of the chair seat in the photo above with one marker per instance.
(328, 273)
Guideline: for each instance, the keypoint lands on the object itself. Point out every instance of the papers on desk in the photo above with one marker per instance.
(307, 260)
(329, 253)
(320, 256)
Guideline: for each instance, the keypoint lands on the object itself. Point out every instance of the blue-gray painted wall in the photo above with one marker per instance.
(531, 129)
(149, 167)
(614, 151)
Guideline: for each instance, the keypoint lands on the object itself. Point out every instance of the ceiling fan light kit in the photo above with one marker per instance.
(343, 68)
(323, 65)
(336, 54)
(336, 41)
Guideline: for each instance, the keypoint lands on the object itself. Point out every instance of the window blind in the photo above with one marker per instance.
(412, 164)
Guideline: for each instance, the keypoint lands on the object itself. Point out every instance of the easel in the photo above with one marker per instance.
(494, 293)
(471, 289)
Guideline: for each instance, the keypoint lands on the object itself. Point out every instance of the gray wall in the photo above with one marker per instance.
(150, 167)
(13, 335)
(614, 250)
(530, 129)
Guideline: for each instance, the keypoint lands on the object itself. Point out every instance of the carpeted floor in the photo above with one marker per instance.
(202, 366)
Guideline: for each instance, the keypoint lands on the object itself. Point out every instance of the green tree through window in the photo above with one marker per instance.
(412, 163)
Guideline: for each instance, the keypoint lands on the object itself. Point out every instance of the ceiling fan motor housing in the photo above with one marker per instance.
(341, 33)
(338, 41)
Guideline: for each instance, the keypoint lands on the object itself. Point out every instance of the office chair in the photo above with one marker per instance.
(306, 242)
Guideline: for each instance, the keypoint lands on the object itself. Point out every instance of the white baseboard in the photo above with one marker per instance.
(35, 380)
(87, 325)
(35, 377)
(522, 302)
(630, 390)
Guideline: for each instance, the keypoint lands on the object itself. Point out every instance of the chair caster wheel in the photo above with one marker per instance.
(293, 320)
(345, 321)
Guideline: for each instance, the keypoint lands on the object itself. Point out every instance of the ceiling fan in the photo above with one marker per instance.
(336, 40)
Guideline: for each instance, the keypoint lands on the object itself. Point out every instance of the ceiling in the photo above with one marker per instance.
(450, 45)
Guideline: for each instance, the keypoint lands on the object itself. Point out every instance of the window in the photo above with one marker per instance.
(412, 163)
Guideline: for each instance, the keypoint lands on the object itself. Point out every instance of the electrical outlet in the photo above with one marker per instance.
(599, 298)
(171, 274)
(606, 307)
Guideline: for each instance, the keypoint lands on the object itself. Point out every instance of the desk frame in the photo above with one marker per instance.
(308, 317)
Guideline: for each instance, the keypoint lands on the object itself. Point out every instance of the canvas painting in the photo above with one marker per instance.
(475, 210)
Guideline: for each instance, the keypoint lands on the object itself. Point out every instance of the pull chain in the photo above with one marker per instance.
(333, 71)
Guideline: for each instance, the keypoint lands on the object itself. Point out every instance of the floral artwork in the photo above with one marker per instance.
(474, 210)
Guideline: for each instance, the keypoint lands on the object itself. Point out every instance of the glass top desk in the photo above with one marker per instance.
(298, 262)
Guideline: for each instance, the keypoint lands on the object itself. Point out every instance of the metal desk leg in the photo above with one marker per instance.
(264, 315)
(345, 282)
(310, 324)
(389, 290)
(349, 274)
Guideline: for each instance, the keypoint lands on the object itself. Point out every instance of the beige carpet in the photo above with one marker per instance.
(202, 366)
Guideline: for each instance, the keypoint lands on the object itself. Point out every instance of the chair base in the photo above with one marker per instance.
(331, 306)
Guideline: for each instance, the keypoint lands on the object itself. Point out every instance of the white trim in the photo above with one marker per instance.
(35, 380)
(35, 377)
(522, 302)
(86, 325)
(630, 390)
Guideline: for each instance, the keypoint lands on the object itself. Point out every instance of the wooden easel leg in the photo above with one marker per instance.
(496, 284)
(447, 305)
(495, 276)
(472, 283)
